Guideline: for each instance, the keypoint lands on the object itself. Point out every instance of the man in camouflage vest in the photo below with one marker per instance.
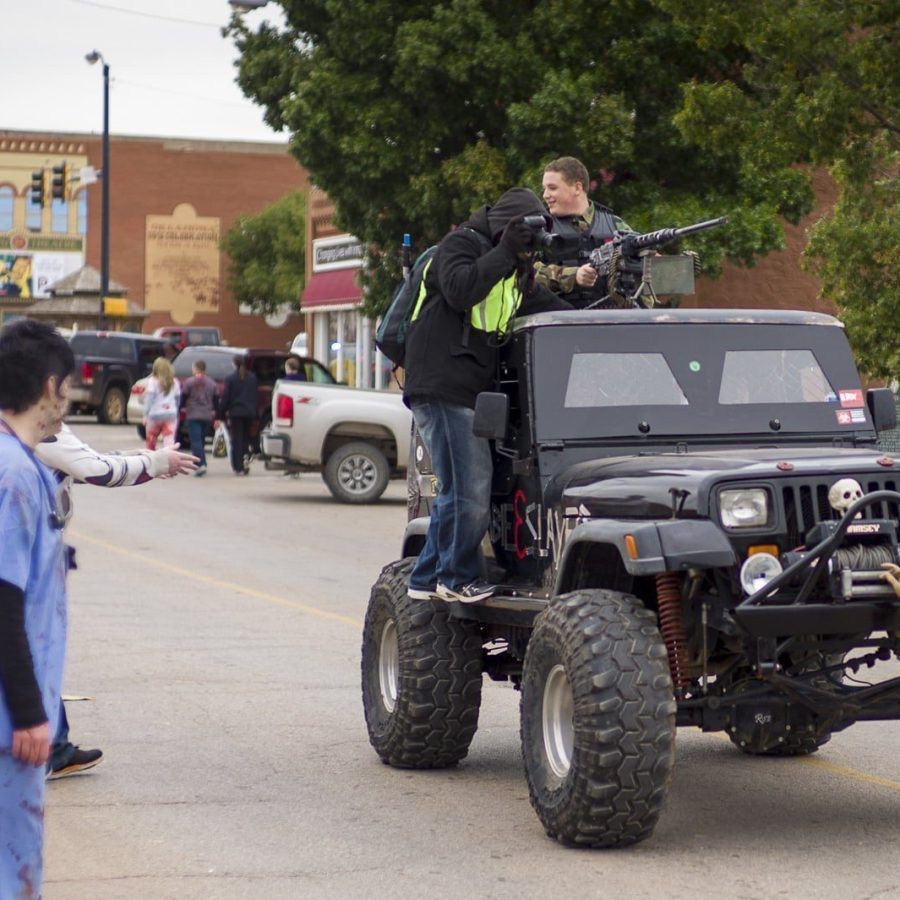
(584, 224)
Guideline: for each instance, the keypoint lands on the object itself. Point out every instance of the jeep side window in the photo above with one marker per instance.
(622, 379)
(773, 376)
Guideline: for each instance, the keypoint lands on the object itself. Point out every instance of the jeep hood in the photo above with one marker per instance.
(655, 486)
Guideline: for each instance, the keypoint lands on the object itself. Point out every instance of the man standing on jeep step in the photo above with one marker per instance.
(479, 280)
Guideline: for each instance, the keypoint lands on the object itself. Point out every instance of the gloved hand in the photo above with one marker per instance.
(517, 237)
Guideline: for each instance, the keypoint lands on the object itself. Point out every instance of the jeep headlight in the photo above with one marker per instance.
(745, 508)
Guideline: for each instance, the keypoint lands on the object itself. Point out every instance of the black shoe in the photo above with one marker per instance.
(79, 761)
(469, 593)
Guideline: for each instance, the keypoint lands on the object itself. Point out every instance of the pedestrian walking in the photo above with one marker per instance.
(198, 399)
(238, 405)
(161, 402)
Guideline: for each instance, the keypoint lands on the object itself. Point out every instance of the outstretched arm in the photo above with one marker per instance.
(67, 453)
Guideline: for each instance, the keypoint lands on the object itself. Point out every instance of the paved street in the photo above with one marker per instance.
(216, 625)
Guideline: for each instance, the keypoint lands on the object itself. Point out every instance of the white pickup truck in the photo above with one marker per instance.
(357, 438)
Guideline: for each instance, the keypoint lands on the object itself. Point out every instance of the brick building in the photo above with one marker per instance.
(171, 201)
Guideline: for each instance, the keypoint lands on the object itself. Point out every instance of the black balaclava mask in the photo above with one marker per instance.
(515, 202)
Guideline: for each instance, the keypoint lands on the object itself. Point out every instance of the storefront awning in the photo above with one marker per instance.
(331, 289)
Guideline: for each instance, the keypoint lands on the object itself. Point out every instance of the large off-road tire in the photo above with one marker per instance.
(357, 473)
(421, 676)
(597, 719)
(113, 407)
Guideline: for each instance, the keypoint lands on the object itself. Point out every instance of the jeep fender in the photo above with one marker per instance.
(661, 546)
(414, 536)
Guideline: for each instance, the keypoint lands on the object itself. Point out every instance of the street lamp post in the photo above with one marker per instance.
(92, 58)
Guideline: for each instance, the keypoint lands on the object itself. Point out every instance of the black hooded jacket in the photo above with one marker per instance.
(445, 359)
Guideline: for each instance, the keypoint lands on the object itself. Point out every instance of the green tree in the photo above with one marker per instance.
(815, 83)
(267, 255)
(410, 114)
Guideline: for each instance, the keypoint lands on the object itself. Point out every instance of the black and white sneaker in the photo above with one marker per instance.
(79, 761)
(422, 593)
(468, 593)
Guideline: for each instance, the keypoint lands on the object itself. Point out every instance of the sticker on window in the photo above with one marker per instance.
(851, 398)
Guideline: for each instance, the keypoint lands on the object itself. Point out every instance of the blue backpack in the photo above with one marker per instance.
(390, 336)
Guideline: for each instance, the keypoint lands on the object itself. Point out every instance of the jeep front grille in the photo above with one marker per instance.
(806, 503)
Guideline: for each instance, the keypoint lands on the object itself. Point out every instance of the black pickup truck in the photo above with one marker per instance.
(692, 525)
(107, 364)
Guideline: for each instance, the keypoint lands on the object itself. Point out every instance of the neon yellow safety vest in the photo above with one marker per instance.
(494, 313)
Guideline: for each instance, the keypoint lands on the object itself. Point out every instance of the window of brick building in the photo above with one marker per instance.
(7, 204)
(59, 217)
(82, 201)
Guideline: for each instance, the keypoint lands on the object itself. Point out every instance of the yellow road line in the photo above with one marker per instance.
(833, 768)
(855, 774)
(226, 585)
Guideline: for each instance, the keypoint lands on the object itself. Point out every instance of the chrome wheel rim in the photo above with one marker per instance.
(388, 665)
(357, 474)
(115, 407)
(558, 721)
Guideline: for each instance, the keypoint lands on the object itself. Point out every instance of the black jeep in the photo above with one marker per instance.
(691, 522)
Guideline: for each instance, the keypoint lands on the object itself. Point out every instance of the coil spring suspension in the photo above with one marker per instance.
(671, 625)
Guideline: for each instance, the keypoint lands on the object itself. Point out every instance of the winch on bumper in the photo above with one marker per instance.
(837, 586)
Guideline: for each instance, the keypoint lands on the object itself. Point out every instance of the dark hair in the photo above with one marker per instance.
(30, 352)
(199, 365)
(571, 169)
(240, 364)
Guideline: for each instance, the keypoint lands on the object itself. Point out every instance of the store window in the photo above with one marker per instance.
(341, 360)
(7, 204)
(32, 215)
(59, 217)
(82, 201)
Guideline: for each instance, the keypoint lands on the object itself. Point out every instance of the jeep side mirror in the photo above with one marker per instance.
(491, 415)
(882, 408)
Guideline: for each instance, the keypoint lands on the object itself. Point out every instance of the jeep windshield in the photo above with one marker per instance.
(694, 374)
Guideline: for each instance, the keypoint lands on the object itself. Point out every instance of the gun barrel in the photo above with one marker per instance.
(700, 226)
(667, 235)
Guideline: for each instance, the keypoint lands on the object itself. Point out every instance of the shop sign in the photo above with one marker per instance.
(21, 243)
(341, 252)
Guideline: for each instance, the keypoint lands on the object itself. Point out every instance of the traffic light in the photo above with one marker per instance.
(39, 187)
(60, 182)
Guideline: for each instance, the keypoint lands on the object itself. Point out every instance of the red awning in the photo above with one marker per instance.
(331, 288)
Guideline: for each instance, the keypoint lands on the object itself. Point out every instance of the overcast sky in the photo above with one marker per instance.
(171, 71)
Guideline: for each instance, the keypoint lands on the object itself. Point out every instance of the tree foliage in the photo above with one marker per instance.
(267, 255)
(410, 114)
(818, 85)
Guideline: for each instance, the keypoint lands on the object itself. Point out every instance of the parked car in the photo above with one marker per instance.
(267, 365)
(356, 437)
(181, 336)
(107, 364)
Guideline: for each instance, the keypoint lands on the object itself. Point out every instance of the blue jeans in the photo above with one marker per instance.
(197, 433)
(62, 749)
(462, 509)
